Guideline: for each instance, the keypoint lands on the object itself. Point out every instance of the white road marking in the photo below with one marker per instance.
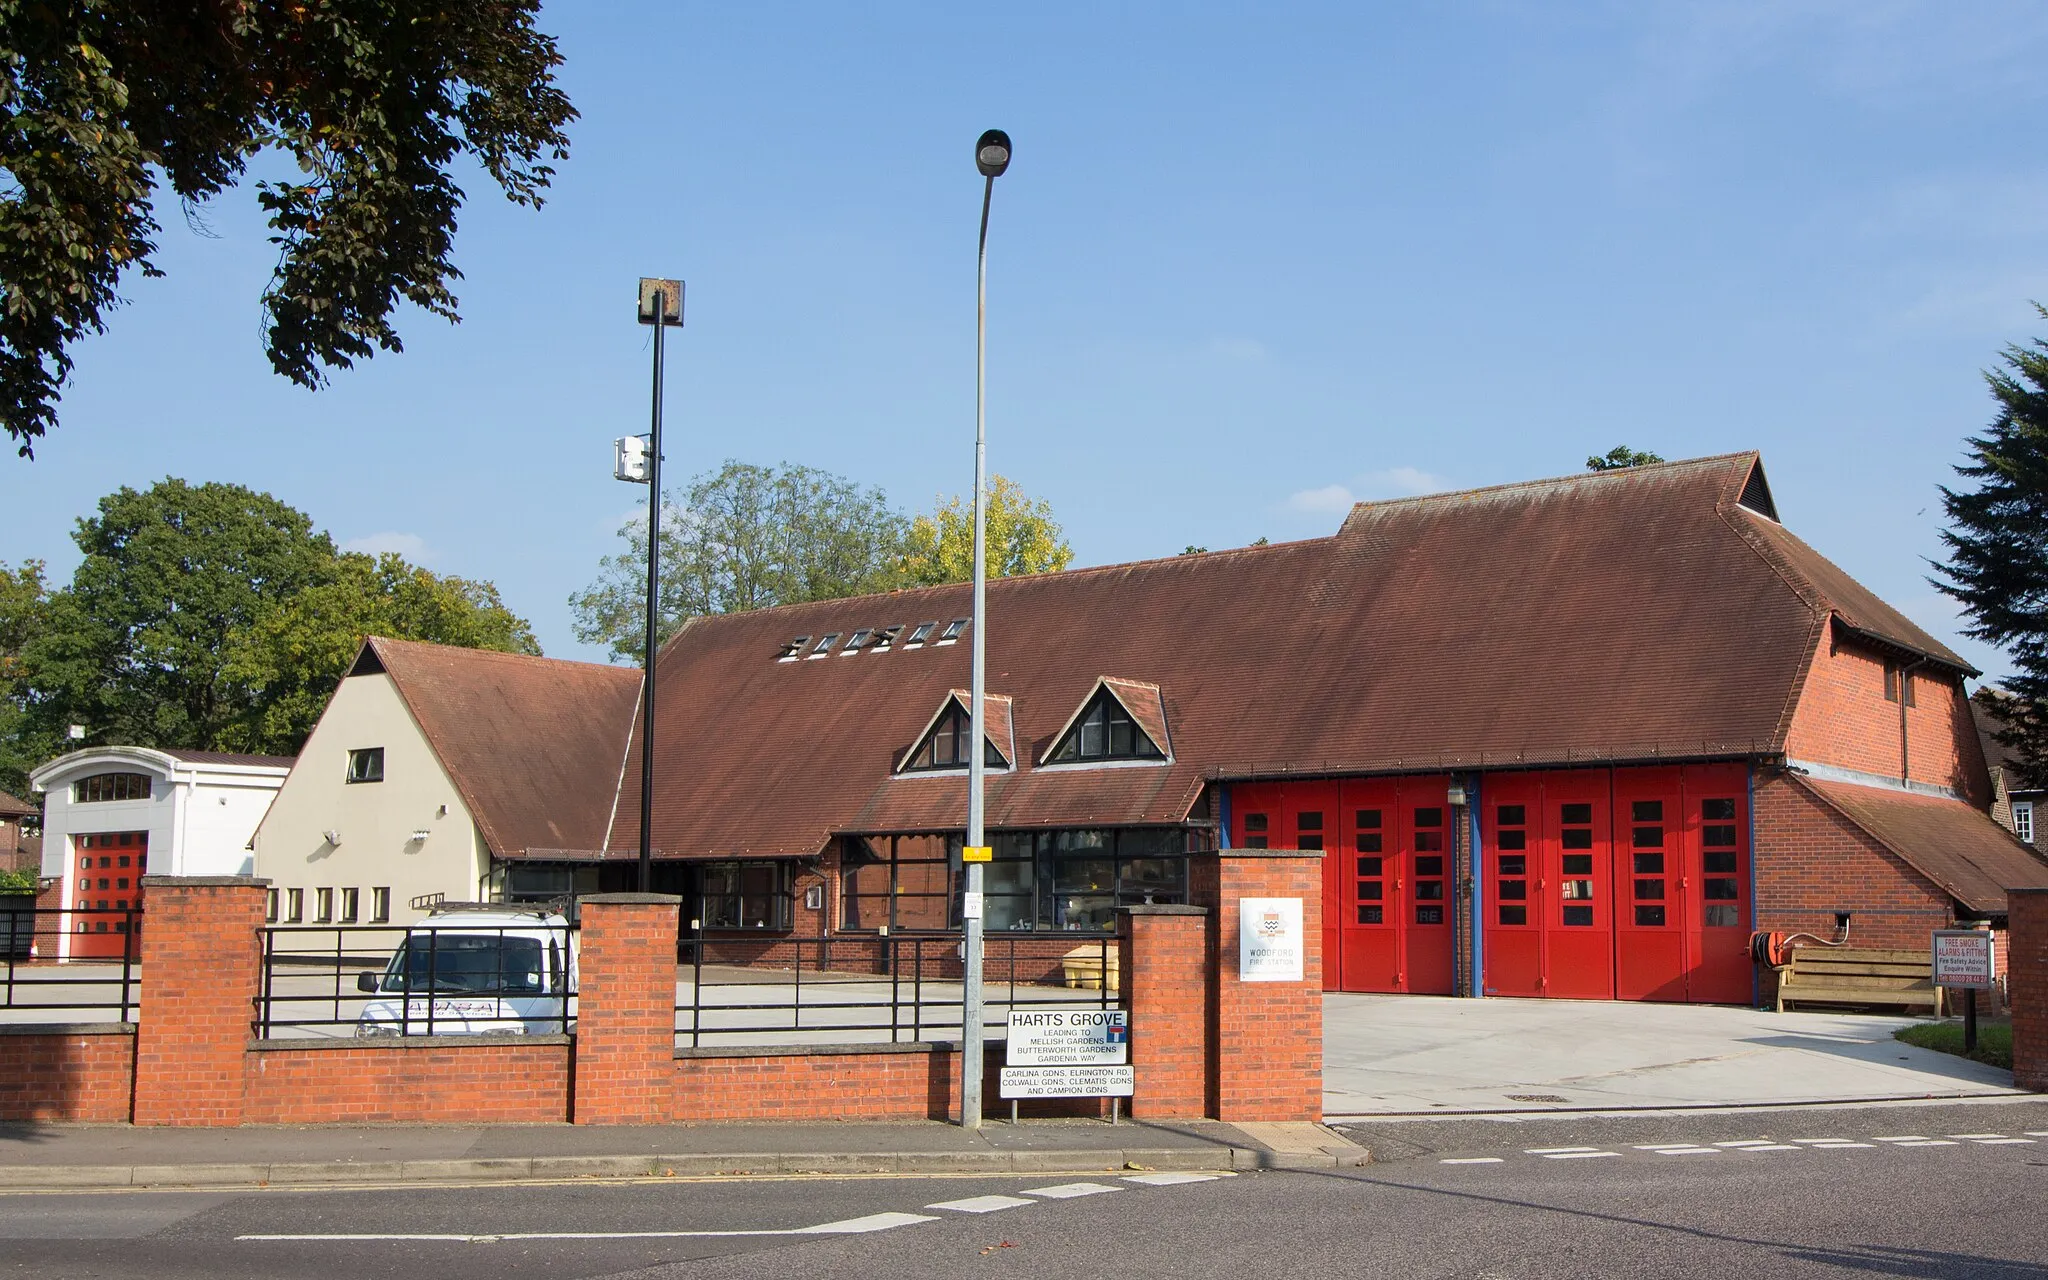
(2003, 1142)
(1746, 1142)
(1771, 1146)
(1173, 1179)
(1928, 1142)
(1474, 1160)
(981, 1204)
(1815, 1140)
(1910, 1137)
(1069, 1190)
(1555, 1151)
(1838, 1145)
(844, 1227)
(1671, 1146)
(1689, 1151)
(2035, 1133)
(1976, 1137)
(1581, 1155)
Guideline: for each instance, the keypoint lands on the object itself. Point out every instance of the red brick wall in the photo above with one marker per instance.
(1268, 1042)
(58, 1075)
(626, 1008)
(1844, 720)
(2027, 978)
(202, 958)
(1812, 862)
(424, 1080)
(1164, 964)
(914, 1082)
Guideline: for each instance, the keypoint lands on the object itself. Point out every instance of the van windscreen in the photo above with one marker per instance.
(466, 963)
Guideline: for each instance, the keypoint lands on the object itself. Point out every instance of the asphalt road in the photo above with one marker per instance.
(1874, 1191)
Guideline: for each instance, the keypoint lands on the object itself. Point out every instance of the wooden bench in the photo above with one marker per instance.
(1853, 976)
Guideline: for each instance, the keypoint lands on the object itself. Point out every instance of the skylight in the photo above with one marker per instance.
(855, 641)
(952, 631)
(789, 652)
(919, 634)
(825, 643)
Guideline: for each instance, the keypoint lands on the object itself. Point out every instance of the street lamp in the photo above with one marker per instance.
(991, 157)
(639, 461)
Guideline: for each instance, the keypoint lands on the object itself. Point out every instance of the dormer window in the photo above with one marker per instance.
(946, 745)
(1106, 730)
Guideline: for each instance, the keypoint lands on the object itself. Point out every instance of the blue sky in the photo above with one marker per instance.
(1251, 262)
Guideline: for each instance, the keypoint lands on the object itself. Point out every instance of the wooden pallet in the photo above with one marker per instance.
(1859, 977)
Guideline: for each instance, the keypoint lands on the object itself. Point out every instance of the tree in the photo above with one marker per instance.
(1620, 458)
(744, 537)
(1998, 543)
(215, 617)
(375, 101)
(24, 608)
(1021, 534)
(292, 656)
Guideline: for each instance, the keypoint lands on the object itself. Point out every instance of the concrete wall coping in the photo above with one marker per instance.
(67, 1029)
(633, 899)
(1268, 853)
(491, 1039)
(204, 882)
(819, 1050)
(1163, 909)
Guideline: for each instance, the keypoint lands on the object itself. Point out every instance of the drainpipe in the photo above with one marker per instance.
(1476, 867)
(1905, 756)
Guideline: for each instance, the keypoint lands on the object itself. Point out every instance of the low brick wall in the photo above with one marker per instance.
(812, 1082)
(84, 1072)
(414, 1080)
(2027, 979)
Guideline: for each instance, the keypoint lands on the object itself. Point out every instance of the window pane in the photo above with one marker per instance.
(1429, 817)
(1255, 822)
(1512, 815)
(1578, 915)
(1120, 740)
(1717, 810)
(1650, 889)
(1429, 890)
(1647, 811)
(1309, 842)
(1722, 836)
(1255, 842)
(1649, 916)
(1429, 866)
(1577, 813)
(1647, 838)
(1512, 839)
(1371, 915)
(1514, 915)
(1514, 890)
(1429, 840)
(1724, 861)
(1310, 821)
(1721, 917)
(1582, 838)
(1649, 864)
(1369, 867)
(1578, 864)
(1580, 890)
(1514, 864)
(1371, 890)
(1721, 890)
(1368, 842)
(1368, 817)
(1429, 915)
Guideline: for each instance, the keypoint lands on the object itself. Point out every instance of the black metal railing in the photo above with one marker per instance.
(737, 990)
(70, 964)
(454, 978)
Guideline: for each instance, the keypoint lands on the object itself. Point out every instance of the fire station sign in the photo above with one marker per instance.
(1269, 942)
(1069, 1037)
(1963, 959)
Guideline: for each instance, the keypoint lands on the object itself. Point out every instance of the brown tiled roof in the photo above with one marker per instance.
(534, 745)
(1986, 710)
(1630, 615)
(227, 757)
(1969, 856)
(14, 807)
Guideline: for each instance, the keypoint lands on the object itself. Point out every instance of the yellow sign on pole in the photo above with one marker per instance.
(977, 853)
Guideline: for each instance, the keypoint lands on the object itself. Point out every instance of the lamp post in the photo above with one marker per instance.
(991, 157)
(661, 305)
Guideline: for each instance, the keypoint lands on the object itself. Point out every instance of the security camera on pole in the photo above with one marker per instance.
(991, 157)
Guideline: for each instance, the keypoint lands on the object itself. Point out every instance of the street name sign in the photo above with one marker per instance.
(1069, 1082)
(1964, 959)
(1069, 1038)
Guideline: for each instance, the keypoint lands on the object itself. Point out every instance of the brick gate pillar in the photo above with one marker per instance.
(2026, 971)
(625, 1068)
(1164, 961)
(1267, 1043)
(202, 965)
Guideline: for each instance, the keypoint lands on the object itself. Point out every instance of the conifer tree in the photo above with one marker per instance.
(1998, 543)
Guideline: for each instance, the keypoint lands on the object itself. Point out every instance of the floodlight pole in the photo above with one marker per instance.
(991, 157)
(661, 305)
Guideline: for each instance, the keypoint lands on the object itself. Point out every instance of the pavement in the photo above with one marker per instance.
(1421, 1055)
(52, 1156)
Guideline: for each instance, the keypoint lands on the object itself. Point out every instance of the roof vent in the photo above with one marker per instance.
(1756, 494)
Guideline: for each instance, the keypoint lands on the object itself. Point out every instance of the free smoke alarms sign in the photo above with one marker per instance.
(1269, 945)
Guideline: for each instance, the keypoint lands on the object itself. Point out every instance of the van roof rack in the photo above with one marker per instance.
(437, 903)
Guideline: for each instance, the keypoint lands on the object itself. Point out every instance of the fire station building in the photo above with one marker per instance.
(1575, 738)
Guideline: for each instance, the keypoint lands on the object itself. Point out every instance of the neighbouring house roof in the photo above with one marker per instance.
(1970, 857)
(14, 807)
(534, 745)
(228, 757)
(1987, 709)
(1626, 616)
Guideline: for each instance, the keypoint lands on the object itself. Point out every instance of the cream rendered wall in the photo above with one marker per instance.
(376, 821)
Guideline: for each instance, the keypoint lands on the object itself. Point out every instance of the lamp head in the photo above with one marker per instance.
(992, 153)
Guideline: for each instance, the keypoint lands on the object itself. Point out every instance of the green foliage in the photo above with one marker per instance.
(744, 537)
(1021, 534)
(291, 657)
(1998, 544)
(24, 610)
(1994, 1040)
(748, 537)
(16, 881)
(213, 617)
(1621, 457)
(375, 101)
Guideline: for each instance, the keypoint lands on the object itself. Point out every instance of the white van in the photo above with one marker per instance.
(472, 969)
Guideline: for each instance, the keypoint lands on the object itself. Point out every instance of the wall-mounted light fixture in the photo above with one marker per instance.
(331, 836)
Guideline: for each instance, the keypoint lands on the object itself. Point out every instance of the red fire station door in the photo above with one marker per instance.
(1652, 883)
(1717, 853)
(107, 870)
(1548, 908)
